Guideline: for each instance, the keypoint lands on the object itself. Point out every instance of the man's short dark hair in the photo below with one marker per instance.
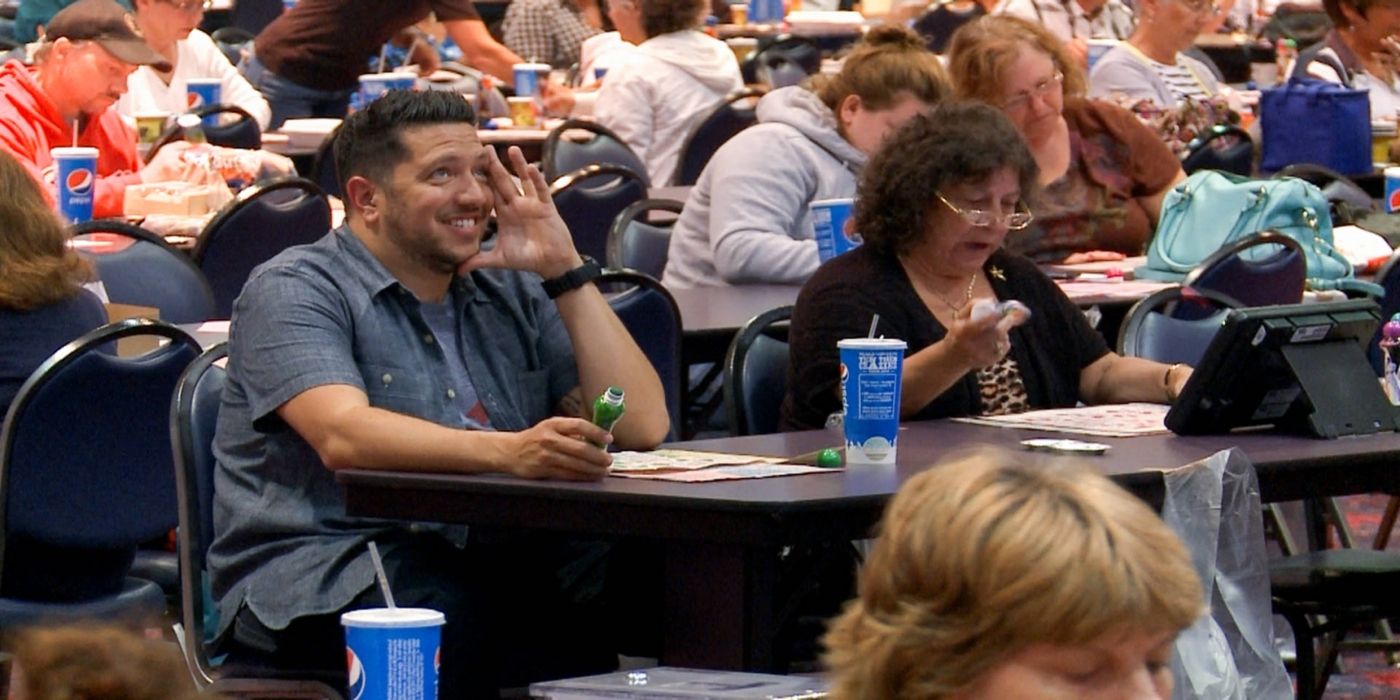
(960, 141)
(368, 143)
(666, 16)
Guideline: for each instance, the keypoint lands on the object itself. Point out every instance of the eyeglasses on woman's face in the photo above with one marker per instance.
(1015, 221)
(1201, 6)
(190, 6)
(1041, 90)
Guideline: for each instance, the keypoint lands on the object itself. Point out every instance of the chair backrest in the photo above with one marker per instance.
(736, 112)
(194, 413)
(1264, 269)
(261, 222)
(113, 487)
(234, 42)
(242, 131)
(562, 155)
(636, 242)
(651, 315)
(1173, 325)
(1225, 147)
(148, 272)
(589, 200)
(802, 52)
(755, 373)
(323, 170)
(1389, 279)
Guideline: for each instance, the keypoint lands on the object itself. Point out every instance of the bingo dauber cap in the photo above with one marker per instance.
(108, 24)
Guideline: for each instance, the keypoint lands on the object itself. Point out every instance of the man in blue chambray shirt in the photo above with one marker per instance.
(397, 342)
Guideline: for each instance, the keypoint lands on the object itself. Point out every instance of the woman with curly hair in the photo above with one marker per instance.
(935, 205)
(994, 577)
(42, 302)
(1103, 172)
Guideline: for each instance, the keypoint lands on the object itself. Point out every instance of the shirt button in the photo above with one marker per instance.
(387, 378)
(451, 393)
(428, 338)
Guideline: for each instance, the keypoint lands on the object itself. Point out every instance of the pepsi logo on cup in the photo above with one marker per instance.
(357, 674)
(1392, 202)
(194, 100)
(79, 181)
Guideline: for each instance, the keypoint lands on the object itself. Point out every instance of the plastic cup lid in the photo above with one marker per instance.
(831, 202)
(71, 151)
(203, 81)
(1392, 171)
(393, 617)
(533, 66)
(872, 343)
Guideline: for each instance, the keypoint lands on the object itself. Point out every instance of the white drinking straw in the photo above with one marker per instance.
(873, 323)
(383, 56)
(379, 574)
(75, 133)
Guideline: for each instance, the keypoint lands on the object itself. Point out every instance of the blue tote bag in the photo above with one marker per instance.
(1314, 121)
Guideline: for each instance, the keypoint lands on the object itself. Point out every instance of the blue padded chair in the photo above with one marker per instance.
(263, 221)
(801, 53)
(150, 273)
(650, 313)
(1264, 269)
(589, 200)
(755, 374)
(1173, 325)
(73, 511)
(240, 131)
(194, 413)
(1224, 147)
(637, 241)
(734, 113)
(561, 156)
(323, 170)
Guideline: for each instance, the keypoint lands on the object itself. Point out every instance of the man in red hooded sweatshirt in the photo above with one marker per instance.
(80, 71)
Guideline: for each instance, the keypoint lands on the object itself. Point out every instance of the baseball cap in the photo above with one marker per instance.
(108, 24)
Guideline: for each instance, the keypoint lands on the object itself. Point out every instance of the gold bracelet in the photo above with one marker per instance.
(1167, 383)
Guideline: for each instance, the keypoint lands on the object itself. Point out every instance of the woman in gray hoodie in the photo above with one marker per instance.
(746, 220)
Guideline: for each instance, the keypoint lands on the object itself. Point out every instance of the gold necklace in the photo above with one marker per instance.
(967, 296)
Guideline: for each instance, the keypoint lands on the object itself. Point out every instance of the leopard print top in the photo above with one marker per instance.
(1002, 390)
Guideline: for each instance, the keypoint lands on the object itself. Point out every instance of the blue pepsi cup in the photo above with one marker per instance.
(202, 92)
(288, 4)
(528, 77)
(829, 217)
(1392, 190)
(871, 370)
(765, 11)
(393, 653)
(75, 173)
(373, 85)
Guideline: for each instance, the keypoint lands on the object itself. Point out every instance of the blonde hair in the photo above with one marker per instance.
(37, 267)
(986, 554)
(983, 50)
(98, 663)
(888, 62)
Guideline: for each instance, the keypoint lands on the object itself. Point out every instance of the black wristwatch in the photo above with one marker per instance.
(573, 279)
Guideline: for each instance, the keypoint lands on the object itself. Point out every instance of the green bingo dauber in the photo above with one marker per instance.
(608, 409)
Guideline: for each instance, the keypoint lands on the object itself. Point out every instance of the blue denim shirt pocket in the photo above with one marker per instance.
(398, 389)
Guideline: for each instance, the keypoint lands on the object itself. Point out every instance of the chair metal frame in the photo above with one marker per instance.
(215, 135)
(622, 230)
(1291, 259)
(690, 164)
(1235, 157)
(736, 367)
(145, 593)
(193, 541)
(1127, 344)
(123, 228)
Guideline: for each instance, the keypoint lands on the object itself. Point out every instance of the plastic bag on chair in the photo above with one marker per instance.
(1213, 505)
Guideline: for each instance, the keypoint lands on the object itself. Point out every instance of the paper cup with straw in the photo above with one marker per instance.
(392, 652)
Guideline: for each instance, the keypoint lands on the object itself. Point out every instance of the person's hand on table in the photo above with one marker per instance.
(1176, 378)
(274, 165)
(1089, 256)
(169, 165)
(559, 448)
(530, 235)
(558, 98)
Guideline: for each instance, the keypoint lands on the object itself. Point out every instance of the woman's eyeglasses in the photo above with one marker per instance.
(190, 6)
(1041, 89)
(1015, 221)
(1201, 6)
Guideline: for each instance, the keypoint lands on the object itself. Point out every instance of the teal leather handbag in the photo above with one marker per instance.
(1210, 210)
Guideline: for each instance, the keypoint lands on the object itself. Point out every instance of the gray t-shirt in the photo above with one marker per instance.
(1125, 71)
(330, 313)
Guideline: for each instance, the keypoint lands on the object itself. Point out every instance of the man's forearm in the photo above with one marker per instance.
(481, 51)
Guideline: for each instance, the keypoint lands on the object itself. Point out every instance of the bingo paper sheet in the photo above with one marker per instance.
(1117, 420)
